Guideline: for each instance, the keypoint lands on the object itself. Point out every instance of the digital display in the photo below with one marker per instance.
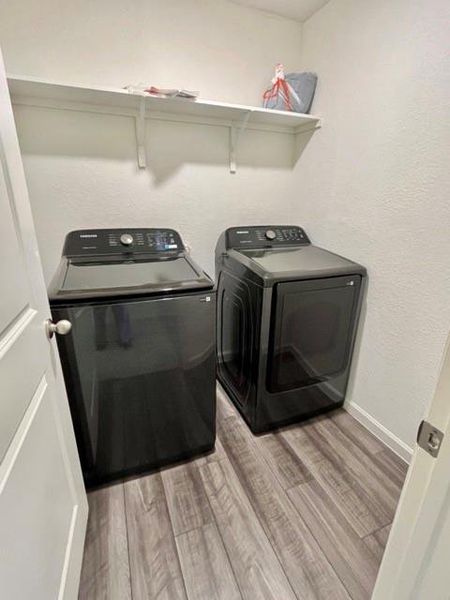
(162, 241)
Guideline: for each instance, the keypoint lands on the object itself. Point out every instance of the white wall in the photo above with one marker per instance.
(372, 183)
(81, 168)
(375, 187)
(226, 51)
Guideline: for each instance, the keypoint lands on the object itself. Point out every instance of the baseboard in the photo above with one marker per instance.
(384, 435)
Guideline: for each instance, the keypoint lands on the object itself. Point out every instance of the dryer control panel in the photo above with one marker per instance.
(265, 236)
(98, 242)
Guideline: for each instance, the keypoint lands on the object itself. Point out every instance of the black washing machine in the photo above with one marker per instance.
(287, 313)
(139, 360)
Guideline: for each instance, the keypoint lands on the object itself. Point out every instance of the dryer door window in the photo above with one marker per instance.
(235, 335)
(312, 329)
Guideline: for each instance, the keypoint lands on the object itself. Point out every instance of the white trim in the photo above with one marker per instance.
(384, 435)
(14, 449)
(68, 557)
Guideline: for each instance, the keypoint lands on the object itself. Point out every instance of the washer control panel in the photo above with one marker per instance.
(92, 242)
(269, 236)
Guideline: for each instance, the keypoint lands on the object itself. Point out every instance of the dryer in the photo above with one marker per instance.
(287, 315)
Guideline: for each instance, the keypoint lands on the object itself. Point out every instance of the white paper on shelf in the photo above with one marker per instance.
(146, 90)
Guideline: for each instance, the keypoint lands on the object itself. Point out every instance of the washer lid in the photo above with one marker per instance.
(81, 279)
(113, 275)
(297, 262)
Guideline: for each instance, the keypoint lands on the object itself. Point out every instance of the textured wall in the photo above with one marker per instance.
(82, 172)
(226, 51)
(376, 180)
(372, 184)
(81, 168)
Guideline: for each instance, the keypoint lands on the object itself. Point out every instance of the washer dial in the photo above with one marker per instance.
(126, 239)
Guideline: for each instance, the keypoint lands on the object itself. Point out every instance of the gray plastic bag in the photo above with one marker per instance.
(291, 92)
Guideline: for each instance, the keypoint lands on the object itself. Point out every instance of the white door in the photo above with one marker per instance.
(416, 563)
(43, 507)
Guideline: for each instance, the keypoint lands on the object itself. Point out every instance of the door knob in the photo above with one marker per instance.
(62, 327)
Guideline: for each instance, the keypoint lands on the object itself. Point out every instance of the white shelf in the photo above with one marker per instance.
(36, 92)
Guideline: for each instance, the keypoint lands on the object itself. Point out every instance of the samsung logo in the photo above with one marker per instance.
(88, 235)
(241, 232)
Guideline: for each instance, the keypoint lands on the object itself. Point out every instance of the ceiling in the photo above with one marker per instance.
(300, 10)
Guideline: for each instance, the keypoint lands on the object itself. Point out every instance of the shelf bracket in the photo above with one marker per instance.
(235, 134)
(140, 135)
(302, 135)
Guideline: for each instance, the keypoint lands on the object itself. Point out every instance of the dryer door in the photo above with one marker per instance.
(235, 335)
(312, 331)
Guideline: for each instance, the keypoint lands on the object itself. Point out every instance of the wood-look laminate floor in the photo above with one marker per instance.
(303, 512)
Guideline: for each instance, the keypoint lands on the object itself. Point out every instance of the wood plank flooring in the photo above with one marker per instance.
(303, 512)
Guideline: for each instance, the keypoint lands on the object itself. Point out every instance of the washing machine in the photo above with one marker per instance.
(287, 315)
(138, 356)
